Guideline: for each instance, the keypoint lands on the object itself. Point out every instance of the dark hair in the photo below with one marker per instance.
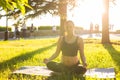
(70, 23)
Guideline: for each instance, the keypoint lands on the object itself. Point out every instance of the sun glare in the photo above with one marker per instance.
(88, 11)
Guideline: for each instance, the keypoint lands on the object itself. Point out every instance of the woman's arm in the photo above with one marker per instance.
(81, 50)
(57, 52)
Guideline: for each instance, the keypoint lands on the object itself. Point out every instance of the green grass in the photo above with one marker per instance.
(17, 53)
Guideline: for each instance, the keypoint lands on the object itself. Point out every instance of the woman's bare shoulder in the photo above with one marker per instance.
(80, 39)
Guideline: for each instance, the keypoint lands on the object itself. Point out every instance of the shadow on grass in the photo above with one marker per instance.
(64, 76)
(114, 54)
(18, 59)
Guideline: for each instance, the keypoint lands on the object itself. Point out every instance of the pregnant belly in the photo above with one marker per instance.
(69, 61)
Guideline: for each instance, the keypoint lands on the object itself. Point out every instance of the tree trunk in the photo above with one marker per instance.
(63, 15)
(105, 22)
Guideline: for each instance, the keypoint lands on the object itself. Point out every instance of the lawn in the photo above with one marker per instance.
(17, 53)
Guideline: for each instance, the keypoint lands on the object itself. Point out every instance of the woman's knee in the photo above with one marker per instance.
(51, 64)
(54, 66)
(80, 70)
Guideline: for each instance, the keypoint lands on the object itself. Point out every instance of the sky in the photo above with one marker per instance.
(84, 13)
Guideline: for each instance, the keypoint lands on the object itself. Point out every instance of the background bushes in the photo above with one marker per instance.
(43, 27)
(47, 27)
(4, 28)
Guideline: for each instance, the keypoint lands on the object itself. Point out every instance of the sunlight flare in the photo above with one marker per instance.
(88, 11)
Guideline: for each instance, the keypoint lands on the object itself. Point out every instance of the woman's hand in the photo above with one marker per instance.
(85, 65)
(46, 60)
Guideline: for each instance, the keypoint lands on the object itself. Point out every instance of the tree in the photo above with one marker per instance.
(63, 15)
(105, 22)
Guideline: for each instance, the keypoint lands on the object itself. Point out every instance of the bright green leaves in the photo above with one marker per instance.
(12, 4)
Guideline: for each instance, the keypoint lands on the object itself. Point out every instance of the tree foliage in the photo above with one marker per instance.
(11, 5)
(42, 7)
(38, 7)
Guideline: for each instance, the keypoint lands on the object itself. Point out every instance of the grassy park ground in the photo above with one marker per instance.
(31, 52)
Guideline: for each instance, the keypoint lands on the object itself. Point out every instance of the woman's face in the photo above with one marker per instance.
(69, 27)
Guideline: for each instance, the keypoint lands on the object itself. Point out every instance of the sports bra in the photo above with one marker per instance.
(69, 49)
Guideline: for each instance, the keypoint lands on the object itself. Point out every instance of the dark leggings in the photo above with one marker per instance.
(59, 67)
